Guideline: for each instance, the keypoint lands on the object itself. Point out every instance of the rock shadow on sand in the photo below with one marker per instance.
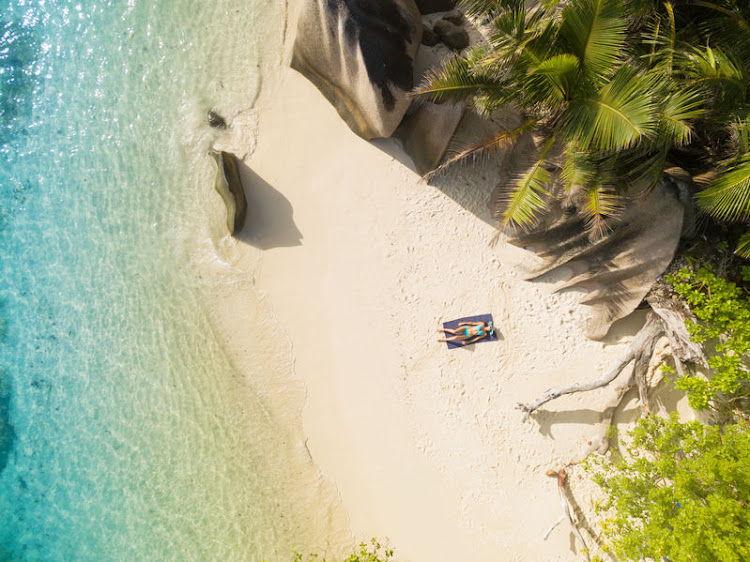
(270, 217)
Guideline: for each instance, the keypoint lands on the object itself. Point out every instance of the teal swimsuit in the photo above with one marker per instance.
(479, 329)
(490, 332)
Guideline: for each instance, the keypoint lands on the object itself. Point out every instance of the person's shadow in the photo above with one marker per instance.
(269, 222)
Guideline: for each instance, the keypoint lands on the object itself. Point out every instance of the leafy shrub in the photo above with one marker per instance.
(681, 492)
(723, 312)
(375, 551)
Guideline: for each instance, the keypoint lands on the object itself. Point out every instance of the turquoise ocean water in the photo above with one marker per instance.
(127, 431)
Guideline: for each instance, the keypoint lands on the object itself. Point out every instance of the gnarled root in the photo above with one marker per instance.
(640, 352)
(566, 508)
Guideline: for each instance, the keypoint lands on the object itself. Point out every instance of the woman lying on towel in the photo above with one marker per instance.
(469, 332)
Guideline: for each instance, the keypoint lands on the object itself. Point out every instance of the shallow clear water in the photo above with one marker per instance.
(126, 432)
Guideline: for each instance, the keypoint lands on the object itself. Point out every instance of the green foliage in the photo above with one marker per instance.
(680, 493)
(375, 551)
(723, 313)
(624, 86)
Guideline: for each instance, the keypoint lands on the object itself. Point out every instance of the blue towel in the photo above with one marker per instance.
(453, 324)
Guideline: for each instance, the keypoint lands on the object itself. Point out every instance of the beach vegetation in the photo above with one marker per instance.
(374, 551)
(615, 93)
(680, 492)
(722, 322)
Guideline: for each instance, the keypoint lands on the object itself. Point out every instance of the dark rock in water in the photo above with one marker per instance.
(456, 18)
(229, 186)
(432, 6)
(7, 433)
(215, 120)
(429, 39)
(451, 35)
(359, 54)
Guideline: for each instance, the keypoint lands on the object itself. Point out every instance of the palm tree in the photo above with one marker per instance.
(619, 91)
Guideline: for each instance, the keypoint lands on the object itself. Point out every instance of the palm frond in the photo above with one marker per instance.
(743, 245)
(595, 32)
(499, 141)
(715, 69)
(736, 16)
(523, 202)
(642, 168)
(454, 81)
(600, 203)
(740, 130)
(578, 168)
(676, 112)
(728, 197)
(659, 36)
(618, 116)
(488, 8)
(552, 81)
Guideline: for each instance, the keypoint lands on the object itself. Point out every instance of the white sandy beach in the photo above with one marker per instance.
(424, 444)
(361, 262)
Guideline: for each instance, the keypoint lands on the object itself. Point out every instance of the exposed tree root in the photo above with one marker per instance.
(566, 508)
(639, 352)
(666, 319)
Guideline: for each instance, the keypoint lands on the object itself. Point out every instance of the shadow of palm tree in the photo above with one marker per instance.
(269, 222)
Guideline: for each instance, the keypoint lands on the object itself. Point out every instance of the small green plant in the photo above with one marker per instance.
(681, 492)
(375, 551)
(723, 312)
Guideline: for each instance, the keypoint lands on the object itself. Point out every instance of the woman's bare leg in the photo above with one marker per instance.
(454, 338)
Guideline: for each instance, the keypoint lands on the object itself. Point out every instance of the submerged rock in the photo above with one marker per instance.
(229, 185)
(359, 54)
(7, 433)
(215, 120)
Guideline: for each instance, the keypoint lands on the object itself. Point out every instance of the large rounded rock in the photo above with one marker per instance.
(617, 269)
(359, 54)
(452, 35)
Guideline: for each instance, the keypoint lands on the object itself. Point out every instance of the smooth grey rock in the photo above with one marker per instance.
(229, 186)
(451, 35)
(618, 269)
(427, 133)
(456, 18)
(359, 54)
(429, 39)
(432, 6)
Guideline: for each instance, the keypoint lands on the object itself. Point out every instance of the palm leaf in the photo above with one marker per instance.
(595, 32)
(482, 8)
(552, 81)
(578, 168)
(728, 197)
(600, 203)
(523, 202)
(618, 116)
(740, 129)
(713, 68)
(676, 111)
(499, 141)
(743, 246)
(454, 81)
